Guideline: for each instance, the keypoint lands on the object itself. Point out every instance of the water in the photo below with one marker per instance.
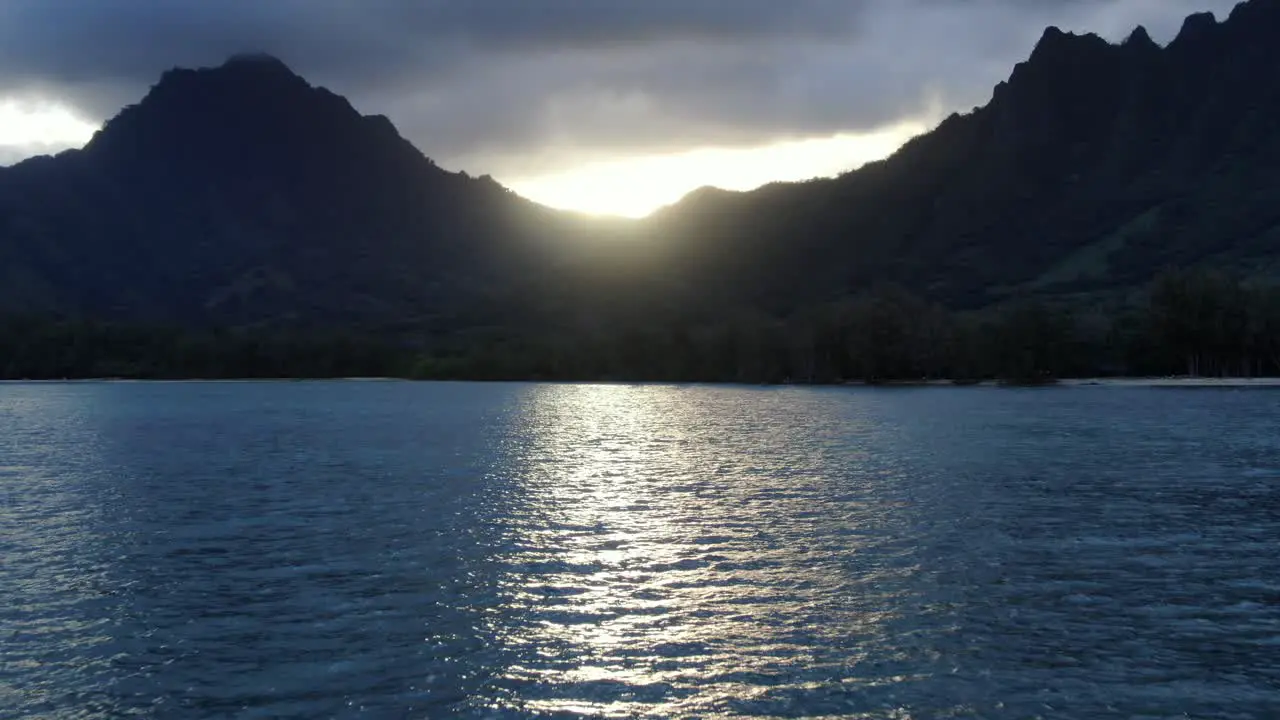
(395, 550)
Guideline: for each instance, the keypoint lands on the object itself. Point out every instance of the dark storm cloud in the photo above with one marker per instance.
(92, 39)
(492, 81)
(394, 55)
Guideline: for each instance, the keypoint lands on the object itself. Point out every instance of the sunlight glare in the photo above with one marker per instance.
(41, 126)
(646, 552)
(635, 187)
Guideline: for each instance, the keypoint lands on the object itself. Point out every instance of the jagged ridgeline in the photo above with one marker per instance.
(242, 199)
(1094, 166)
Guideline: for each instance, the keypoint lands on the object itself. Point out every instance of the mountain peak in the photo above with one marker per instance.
(1255, 11)
(1055, 43)
(1140, 38)
(255, 59)
(252, 102)
(1052, 36)
(1057, 54)
(257, 63)
(241, 76)
(1197, 26)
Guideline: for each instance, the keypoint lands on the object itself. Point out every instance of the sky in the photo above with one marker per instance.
(606, 106)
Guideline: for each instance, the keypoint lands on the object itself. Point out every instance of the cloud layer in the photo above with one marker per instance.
(525, 87)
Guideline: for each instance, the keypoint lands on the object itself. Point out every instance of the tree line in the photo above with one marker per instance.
(1198, 322)
(49, 349)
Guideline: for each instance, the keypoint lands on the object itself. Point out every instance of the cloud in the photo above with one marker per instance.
(11, 155)
(371, 40)
(527, 86)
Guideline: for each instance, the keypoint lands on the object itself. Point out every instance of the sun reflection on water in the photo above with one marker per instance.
(661, 568)
(510, 550)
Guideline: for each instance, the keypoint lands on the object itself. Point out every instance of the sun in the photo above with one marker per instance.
(636, 186)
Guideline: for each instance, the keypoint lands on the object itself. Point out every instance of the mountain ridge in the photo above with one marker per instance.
(257, 186)
(1085, 141)
(241, 194)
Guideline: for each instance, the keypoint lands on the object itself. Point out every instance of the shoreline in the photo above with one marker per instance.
(1187, 382)
(1133, 382)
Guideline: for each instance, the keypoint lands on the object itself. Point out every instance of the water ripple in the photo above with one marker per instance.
(508, 551)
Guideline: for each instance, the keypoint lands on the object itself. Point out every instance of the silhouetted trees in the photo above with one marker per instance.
(1189, 322)
(1207, 323)
(35, 348)
(1197, 322)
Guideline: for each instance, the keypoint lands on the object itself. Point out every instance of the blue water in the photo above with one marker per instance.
(396, 550)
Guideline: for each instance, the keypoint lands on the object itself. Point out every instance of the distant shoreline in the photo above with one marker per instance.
(1156, 382)
(1260, 382)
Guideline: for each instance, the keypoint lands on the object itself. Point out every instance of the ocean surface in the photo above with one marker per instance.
(400, 550)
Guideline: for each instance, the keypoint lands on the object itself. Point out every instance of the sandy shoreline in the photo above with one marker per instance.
(1188, 382)
(1114, 382)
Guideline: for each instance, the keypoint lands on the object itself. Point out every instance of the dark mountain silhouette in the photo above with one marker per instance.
(241, 194)
(1092, 167)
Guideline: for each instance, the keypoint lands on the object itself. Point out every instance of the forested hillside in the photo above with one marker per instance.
(1094, 167)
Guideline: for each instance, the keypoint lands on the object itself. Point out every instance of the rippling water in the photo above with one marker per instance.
(433, 550)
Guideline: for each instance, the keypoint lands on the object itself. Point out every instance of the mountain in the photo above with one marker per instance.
(242, 195)
(1091, 168)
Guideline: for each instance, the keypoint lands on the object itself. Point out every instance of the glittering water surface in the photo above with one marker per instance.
(396, 550)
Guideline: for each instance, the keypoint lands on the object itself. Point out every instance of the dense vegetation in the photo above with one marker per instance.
(1192, 322)
(45, 349)
(1195, 323)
